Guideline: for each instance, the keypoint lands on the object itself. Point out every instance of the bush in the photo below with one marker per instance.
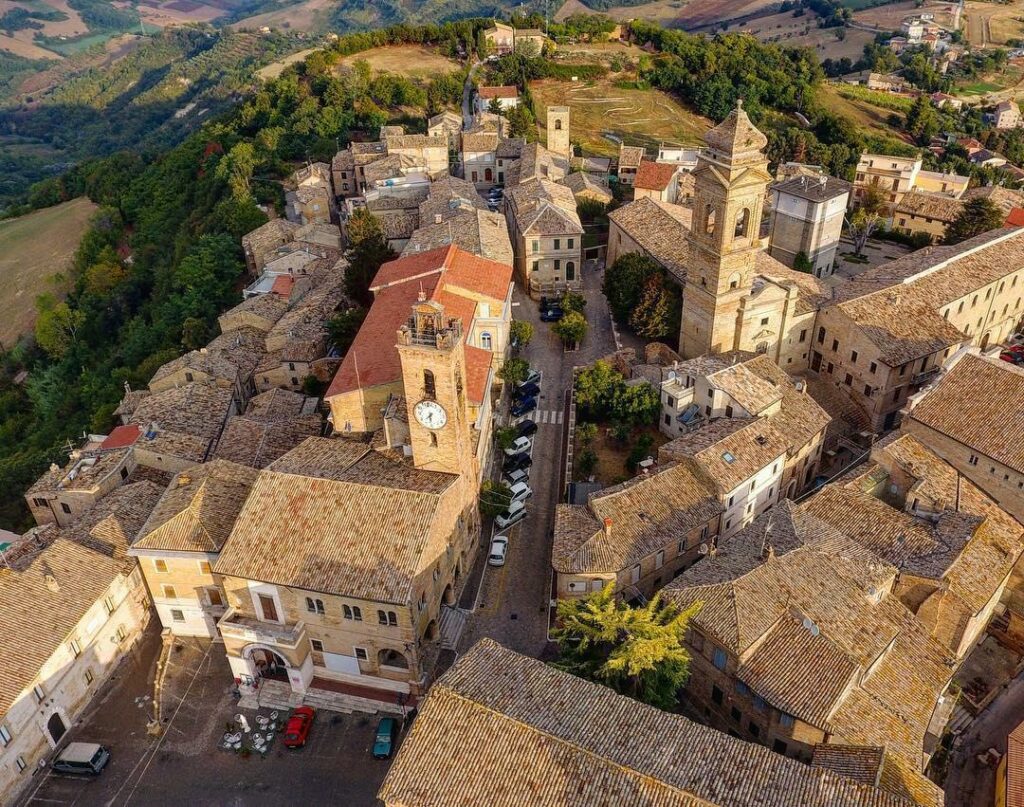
(520, 333)
(586, 462)
(571, 328)
(504, 437)
(639, 452)
(494, 498)
(514, 370)
(585, 433)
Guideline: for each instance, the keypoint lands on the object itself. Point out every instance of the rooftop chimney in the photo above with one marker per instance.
(608, 527)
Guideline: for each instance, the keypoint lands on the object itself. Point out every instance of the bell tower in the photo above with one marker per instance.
(558, 131)
(433, 360)
(729, 188)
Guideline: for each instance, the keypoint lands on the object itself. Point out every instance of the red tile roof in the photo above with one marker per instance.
(1016, 217)
(499, 92)
(449, 275)
(478, 366)
(654, 176)
(283, 285)
(121, 436)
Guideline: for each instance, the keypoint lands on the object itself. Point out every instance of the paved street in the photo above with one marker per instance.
(185, 766)
(969, 783)
(513, 600)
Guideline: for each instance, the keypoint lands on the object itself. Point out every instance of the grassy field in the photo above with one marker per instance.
(414, 61)
(274, 69)
(803, 32)
(865, 115)
(639, 117)
(32, 249)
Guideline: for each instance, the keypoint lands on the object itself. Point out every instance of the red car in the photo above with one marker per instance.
(296, 732)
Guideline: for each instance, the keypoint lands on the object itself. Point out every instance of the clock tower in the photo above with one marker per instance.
(433, 360)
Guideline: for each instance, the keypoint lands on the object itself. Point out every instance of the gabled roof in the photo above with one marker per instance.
(502, 730)
(654, 176)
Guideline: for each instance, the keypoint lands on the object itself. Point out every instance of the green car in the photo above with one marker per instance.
(384, 742)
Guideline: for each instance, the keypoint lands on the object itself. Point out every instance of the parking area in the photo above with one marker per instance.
(187, 765)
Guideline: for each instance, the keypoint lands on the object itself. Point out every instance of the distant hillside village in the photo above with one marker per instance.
(828, 503)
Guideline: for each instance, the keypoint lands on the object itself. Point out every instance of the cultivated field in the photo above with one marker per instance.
(414, 61)
(803, 32)
(867, 116)
(990, 24)
(889, 17)
(177, 12)
(23, 42)
(308, 16)
(675, 13)
(639, 117)
(274, 69)
(32, 249)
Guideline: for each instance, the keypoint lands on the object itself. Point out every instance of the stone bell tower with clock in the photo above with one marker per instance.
(434, 378)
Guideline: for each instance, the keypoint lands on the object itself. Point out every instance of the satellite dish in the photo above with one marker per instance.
(703, 549)
(671, 375)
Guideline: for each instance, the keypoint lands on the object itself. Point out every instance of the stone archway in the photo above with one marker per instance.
(430, 632)
(392, 658)
(56, 727)
(267, 663)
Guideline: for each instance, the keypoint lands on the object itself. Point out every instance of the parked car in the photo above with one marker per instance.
(516, 475)
(551, 314)
(518, 447)
(520, 492)
(88, 759)
(516, 512)
(296, 730)
(523, 406)
(517, 462)
(1013, 358)
(1017, 339)
(526, 428)
(499, 551)
(525, 391)
(532, 377)
(384, 741)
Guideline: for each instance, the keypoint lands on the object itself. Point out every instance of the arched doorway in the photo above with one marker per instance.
(791, 489)
(430, 634)
(984, 341)
(448, 598)
(57, 727)
(392, 658)
(268, 664)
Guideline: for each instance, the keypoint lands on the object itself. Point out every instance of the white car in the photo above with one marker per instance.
(516, 512)
(520, 492)
(518, 447)
(532, 377)
(499, 551)
(518, 475)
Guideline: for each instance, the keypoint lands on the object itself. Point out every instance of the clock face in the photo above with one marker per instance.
(431, 414)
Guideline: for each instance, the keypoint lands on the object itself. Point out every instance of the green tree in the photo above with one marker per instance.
(866, 218)
(367, 251)
(236, 168)
(571, 328)
(494, 498)
(514, 370)
(195, 333)
(495, 106)
(638, 652)
(574, 301)
(624, 283)
(802, 263)
(652, 318)
(585, 433)
(521, 122)
(639, 452)
(922, 120)
(979, 215)
(594, 388)
(586, 462)
(635, 404)
(521, 333)
(504, 437)
(344, 326)
(57, 325)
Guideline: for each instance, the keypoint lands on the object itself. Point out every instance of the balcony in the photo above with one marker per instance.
(235, 626)
(925, 376)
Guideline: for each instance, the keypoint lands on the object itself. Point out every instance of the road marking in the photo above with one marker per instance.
(552, 416)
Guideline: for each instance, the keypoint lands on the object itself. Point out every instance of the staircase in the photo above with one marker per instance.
(451, 625)
(278, 695)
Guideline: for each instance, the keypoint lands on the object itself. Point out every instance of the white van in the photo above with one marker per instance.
(86, 758)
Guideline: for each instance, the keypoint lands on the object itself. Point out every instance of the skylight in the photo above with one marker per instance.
(728, 457)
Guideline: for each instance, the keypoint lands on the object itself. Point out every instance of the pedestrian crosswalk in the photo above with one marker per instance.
(553, 416)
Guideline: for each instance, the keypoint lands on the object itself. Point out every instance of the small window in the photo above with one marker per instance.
(317, 645)
(742, 689)
(189, 377)
(785, 720)
(177, 615)
(76, 648)
(89, 677)
(392, 619)
(64, 507)
(346, 611)
(20, 762)
(428, 384)
(121, 634)
(755, 730)
(803, 335)
(124, 473)
(160, 565)
(357, 613)
(779, 747)
(721, 659)
(39, 693)
(659, 559)
(214, 598)
(382, 618)
(764, 320)
(558, 243)
(835, 345)
(873, 367)
(571, 243)
(5, 736)
(169, 592)
(360, 653)
(853, 356)
(716, 695)
(760, 703)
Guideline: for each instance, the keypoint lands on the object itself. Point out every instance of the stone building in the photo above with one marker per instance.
(807, 218)
(228, 361)
(498, 725)
(658, 181)
(71, 607)
(972, 419)
(557, 129)
(476, 291)
(919, 213)
(479, 160)
(896, 176)
(653, 228)
(547, 236)
(351, 597)
(273, 424)
(446, 124)
(635, 536)
(630, 158)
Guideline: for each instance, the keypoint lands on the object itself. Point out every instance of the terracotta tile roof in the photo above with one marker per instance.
(270, 307)
(478, 232)
(1015, 767)
(536, 162)
(232, 356)
(327, 458)
(582, 183)
(279, 404)
(449, 196)
(257, 443)
(499, 92)
(477, 142)
(646, 513)
(857, 762)
(654, 176)
(188, 419)
(84, 470)
(978, 404)
(198, 509)
(478, 370)
(929, 205)
(281, 287)
(498, 726)
(1015, 217)
(661, 229)
(36, 619)
(360, 532)
(415, 141)
(543, 207)
(121, 437)
(1004, 199)
(631, 156)
(449, 275)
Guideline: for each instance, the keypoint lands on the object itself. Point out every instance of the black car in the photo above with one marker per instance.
(525, 428)
(521, 407)
(551, 314)
(529, 390)
(517, 461)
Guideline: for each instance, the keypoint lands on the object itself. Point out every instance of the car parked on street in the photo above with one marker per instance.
(518, 447)
(523, 406)
(551, 314)
(530, 390)
(296, 730)
(384, 740)
(87, 759)
(520, 492)
(516, 512)
(1011, 357)
(517, 462)
(499, 551)
(532, 377)
(526, 428)
(516, 475)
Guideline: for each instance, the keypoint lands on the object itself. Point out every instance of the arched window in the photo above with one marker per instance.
(315, 606)
(709, 220)
(433, 440)
(734, 280)
(347, 611)
(742, 223)
(558, 125)
(428, 384)
(570, 271)
(392, 619)
(357, 613)
(382, 618)
(488, 175)
(485, 341)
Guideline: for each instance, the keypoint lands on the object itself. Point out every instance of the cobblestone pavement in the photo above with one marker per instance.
(512, 603)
